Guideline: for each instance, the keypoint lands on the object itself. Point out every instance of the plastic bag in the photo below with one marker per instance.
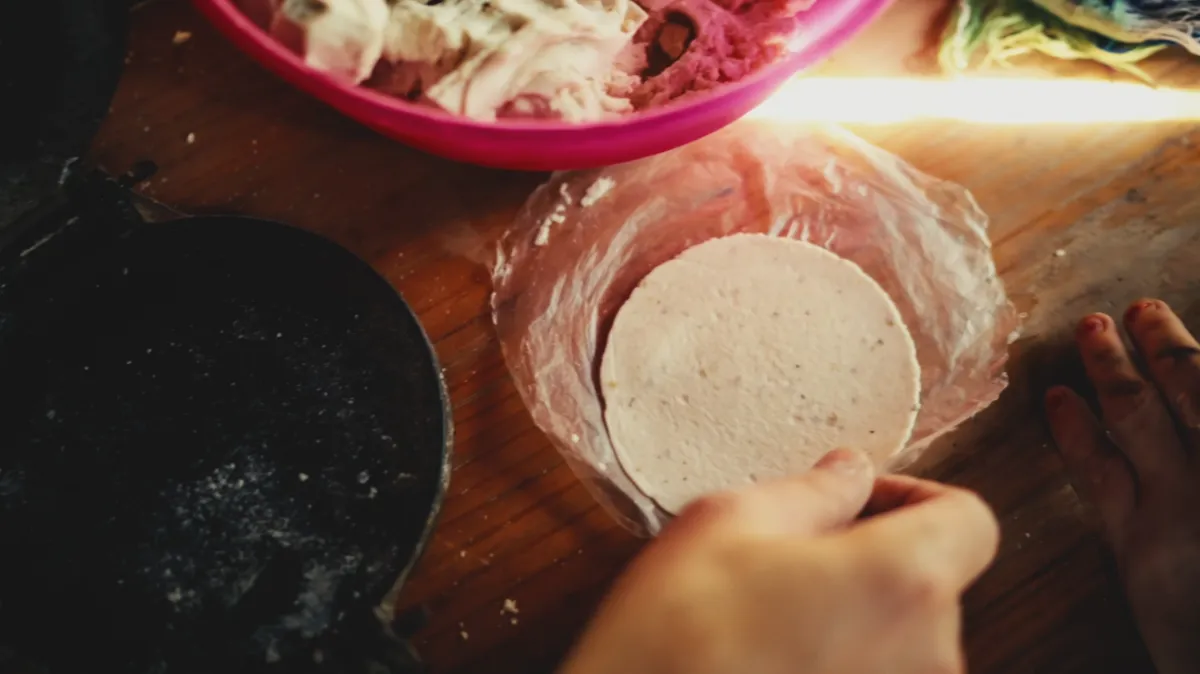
(585, 239)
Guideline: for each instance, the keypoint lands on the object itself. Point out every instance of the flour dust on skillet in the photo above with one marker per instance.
(59, 65)
(224, 442)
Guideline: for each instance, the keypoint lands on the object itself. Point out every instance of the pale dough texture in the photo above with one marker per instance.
(749, 357)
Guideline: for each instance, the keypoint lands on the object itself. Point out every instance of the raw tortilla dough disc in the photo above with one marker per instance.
(750, 357)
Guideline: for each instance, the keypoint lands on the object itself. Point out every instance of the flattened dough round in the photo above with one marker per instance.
(749, 357)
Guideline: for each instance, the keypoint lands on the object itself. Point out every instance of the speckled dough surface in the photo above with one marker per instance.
(749, 357)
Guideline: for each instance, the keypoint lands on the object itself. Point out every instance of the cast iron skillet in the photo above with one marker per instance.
(223, 441)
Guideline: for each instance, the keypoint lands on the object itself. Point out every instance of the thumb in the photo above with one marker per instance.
(829, 496)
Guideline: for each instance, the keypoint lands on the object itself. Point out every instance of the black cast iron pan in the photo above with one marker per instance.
(223, 442)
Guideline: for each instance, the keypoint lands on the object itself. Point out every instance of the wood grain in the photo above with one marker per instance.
(1118, 200)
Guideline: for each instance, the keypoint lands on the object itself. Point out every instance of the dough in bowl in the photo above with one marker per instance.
(748, 358)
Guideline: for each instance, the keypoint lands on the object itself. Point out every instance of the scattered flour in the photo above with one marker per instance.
(558, 216)
(597, 191)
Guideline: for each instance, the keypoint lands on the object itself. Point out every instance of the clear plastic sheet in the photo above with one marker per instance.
(585, 239)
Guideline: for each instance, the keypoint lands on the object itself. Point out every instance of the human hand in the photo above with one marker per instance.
(781, 578)
(1139, 465)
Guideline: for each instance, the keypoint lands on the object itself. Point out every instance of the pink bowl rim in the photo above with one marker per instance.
(832, 22)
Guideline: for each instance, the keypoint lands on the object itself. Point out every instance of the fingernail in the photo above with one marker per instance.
(844, 461)
(1091, 325)
(1137, 308)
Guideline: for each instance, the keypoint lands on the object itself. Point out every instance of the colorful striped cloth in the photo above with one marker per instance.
(1117, 33)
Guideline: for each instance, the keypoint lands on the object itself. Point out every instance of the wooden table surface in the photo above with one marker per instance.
(1119, 201)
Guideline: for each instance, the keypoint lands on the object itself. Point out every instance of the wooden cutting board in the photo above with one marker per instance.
(1084, 218)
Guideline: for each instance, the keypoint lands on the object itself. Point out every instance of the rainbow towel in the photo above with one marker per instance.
(1117, 33)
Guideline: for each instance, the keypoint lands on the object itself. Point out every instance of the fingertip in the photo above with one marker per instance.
(849, 462)
(1065, 410)
(1071, 421)
(1056, 397)
(976, 515)
(984, 516)
(1091, 325)
(828, 496)
(1141, 306)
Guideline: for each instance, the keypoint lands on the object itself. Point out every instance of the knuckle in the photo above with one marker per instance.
(1107, 357)
(1178, 353)
(924, 582)
(1123, 387)
(923, 590)
(912, 587)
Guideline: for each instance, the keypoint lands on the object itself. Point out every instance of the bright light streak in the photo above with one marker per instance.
(988, 100)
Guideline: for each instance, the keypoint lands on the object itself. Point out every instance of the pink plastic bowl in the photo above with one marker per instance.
(545, 146)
